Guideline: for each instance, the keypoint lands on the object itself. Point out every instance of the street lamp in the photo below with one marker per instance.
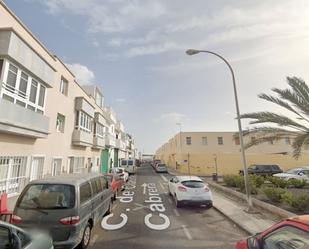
(180, 143)
(195, 51)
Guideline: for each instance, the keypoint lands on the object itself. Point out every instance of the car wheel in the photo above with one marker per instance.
(86, 237)
(177, 202)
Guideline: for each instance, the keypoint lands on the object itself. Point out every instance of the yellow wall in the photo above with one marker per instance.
(202, 157)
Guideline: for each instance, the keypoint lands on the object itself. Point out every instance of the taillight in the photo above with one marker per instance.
(206, 189)
(70, 220)
(16, 219)
(182, 189)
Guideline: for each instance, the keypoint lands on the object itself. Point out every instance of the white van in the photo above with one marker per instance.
(128, 165)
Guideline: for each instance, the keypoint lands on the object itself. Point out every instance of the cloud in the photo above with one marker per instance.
(83, 74)
(151, 49)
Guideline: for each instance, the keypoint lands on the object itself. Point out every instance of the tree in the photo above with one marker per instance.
(278, 126)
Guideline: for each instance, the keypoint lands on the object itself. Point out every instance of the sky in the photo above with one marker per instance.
(135, 51)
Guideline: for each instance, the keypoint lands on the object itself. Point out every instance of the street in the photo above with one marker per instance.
(145, 216)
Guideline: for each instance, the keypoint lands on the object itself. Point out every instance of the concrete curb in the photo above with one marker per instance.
(235, 221)
(261, 204)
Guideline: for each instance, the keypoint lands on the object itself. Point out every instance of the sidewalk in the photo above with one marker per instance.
(235, 211)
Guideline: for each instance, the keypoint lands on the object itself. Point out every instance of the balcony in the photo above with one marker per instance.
(81, 104)
(18, 120)
(98, 142)
(110, 140)
(82, 138)
(120, 144)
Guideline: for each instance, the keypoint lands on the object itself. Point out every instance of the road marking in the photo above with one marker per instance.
(170, 201)
(176, 212)
(164, 178)
(162, 186)
(93, 239)
(186, 231)
(144, 185)
(139, 206)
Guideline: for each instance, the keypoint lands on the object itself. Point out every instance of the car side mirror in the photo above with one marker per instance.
(16, 242)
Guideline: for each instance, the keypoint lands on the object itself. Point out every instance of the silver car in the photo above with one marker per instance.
(67, 207)
(17, 238)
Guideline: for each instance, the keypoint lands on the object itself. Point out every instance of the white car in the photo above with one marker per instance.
(296, 173)
(123, 173)
(129, 165)
(190, 190)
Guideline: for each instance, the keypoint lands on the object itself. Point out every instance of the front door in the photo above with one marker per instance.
(37, 168)
(104, 160)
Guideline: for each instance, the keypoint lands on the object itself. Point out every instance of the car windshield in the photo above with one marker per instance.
(130, 162)
(193, 184)
(48, 196)
(123, 162)
(162, 166)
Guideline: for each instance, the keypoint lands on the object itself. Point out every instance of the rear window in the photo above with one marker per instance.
(48, 196)
(161, 165)
(275, 167)
(193, 184)
(130, 162)
(124, 162)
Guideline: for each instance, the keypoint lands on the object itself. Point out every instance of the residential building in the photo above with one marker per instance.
(49, 123)
(196, 152)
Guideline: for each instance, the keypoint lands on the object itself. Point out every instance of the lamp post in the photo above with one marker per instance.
(195, 51)
(180, 143)
(216, 166)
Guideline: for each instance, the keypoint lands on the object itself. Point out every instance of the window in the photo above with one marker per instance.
(60, 123)
(20, 88)
(204, 140)
(37, 168)
(99, 130)
(1, 64)
(64, 85)
(42, 96)
(287, 140)
(4, 237)
(96, 186)
(33, 91)
(23, 83)
(85, 122)
(220, 140)
(12, 77)
(104, 183)
(12, 173)
(188, 140)
(48, 196)
(56, 166)
(77, 165)
(285, 238)
(84, 193)
(237, 142)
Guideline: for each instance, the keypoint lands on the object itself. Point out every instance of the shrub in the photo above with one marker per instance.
(230, 180)
(257, 180)
(278, 182)
(274, 194)
(298, 202)
(298, 183)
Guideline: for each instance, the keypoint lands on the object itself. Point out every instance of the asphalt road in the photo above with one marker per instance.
(133, 225)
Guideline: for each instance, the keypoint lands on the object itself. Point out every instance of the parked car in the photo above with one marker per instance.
(67, 207)
(117, 184)
(14, 237)
(296, 173)
(161, 168)
(138, 163)
(190, 190)
(120, 171)
(291, 233)
(155, 162)
(128, 165)
(264, 170)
